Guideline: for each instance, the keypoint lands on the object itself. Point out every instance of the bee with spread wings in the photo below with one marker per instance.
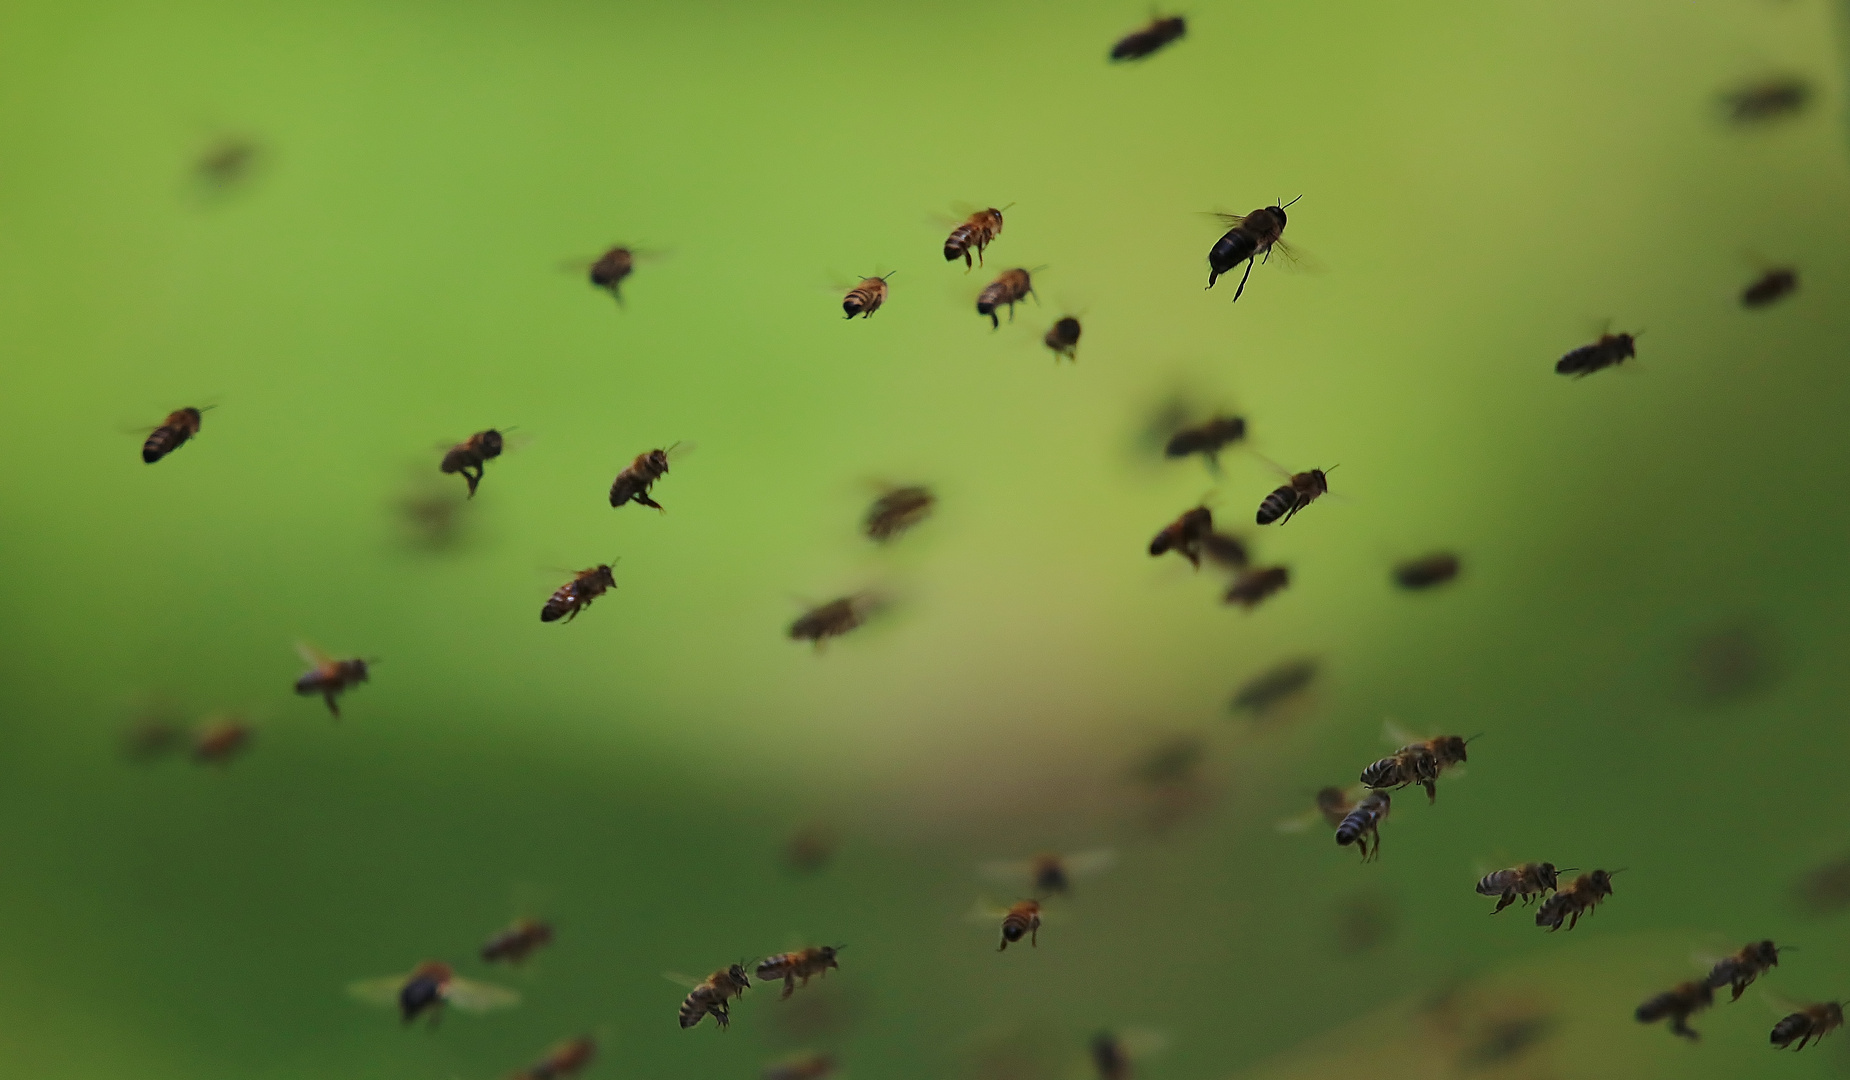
(428, 988)
(327, 676)
(1250, 238)
(1048, 872)
(1019, 920)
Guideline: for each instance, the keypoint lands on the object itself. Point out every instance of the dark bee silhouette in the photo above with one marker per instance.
(975, 234)
(1021, 920)
(563, 1060)
(1249, 238)
(427, 988)
(801, 964)
(218, 742)
(1063, 338)
(1525, 883)
(610, 268)
(1678, 1003)
(576, 595)
(832, 619)
(1811, 1022)
(1010, 288)
(472, 453)
(1207, 438)
(328, 677)
(1774, 285)
(180, 425)
(896, 510)
(519, 941)
(810, 848)
(1142, 42)
(1363, 822)
(1824, 889)
(1225, 550)
(634, 482)
(1255, 584)
(1185, 534)
(1049, 872)
(1426, 571)
(1580, 897)
(1417, 763)
(1740, 970)
(1271, 687)
(1770, 99)
(1609, 350)
(226, 163)
(710, 995)
(1289, 498)
(865, 299)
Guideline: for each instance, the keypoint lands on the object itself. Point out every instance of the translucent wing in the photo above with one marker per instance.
(680, 450)
(1007, 872)
(1395, 735)
(1780, 1004)
(1089, 863)
(679, 979)
(1142, 1042)
(382, 991)
(1300, 823)
(472, 996)
(1231, 221)
(312, 656)
(1294, 258)
(984, 911)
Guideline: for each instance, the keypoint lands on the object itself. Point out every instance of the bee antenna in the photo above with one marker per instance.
(1283, 206)
(1005, 208)
(1475, 738)
(207, 408)
(1566, 869)
(888, 274)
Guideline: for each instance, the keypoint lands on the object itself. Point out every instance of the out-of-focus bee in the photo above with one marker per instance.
(896, 510)
(216, 743)
(327, 676)
(1023, 919)
(226, 162)
(975, 234)
(1525, 883)
(1811, 1022)
(1363, 822)
(1740, 970)
(810, 848)
(1333, 805)
(1769, 99)
(1011, 287)
(609, 269)
(633, 483)
(1609, 350)
(1417, 763)
(1733, 660)
(1142, 42)
(1580, 897)
(1273, 686)
(865, 299)
(1114, 1053)
(173, 433)
(566, 1059)
(150, 739)
(708, 996)
(1775, 284)
(430, 986)
(801, 964)
(1678, 1003)
(1302, 490)
(1364, 921)
(1426, 571)
(576, 595)
(1825, 889)
(1063, 338)
(1255, 584)
(1249, 238)
(1225, 550)
(472, 454)
(1207, 438)
(833, 619)
(1049, 873)
(810, 1066)
(1185, 534)
(520, 940)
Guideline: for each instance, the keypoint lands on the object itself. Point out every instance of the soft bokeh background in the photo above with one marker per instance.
(1484, 185)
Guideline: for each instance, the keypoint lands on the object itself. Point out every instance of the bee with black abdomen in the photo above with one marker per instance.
(566, 1059)
(833, 619)
(173, 433)
(428, 988)
(865, 299)
(896, 510)
(576, 595)
(974, 234)
(709, 995)
(1275, 685)
(519, 941)
(1021, 920)
(472, 453)
(1363, 822)
(801, 964)
(1811, 1022)
(1417, 763)
(1294, 495)
(634, 482)
(1580, 897)
(1741, 969)
(1775, 284)
(1049, 872)
(216, 743)
(1185, 534)
(327, 676)
(1225, 550)
(1426, 571)
(1769, 99)
(1249, 238)
(1678, 1003)
(1525, 883)
(1011, 287)
(1207, 438)
(1142, 42)
(1063, 338)
(1609, 350)
(1254, 584)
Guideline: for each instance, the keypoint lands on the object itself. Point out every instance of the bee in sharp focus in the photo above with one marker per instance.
(709, 995)
(1609, 350)
(427, 988)
(1417, 763)
(1207, 438)
(1273, 686)
(974, 234)
(1333, 805)
(1249, 238)
(896, 510)
(576, 595)
(173, 433)
(865, 299)
(217, 742)
(1678, 1003)
(1811, 1022)
(1580, 897)
(634, 482)
(1050, 873)
(1185, 534)
(801, 964)
(472, 454)
(1254, 584)
(833, 619)
(1363, 822)
(1142, 42)
(1063, 338)
(565, 1059)
(1011, 287)
(1023, 919)
(1775, 284)
(327, 676)
(1741, 969)
(1300, 491)
(1526, 883)
(801, 1067)
(1426, 571)
(520, 940)
(1769, 99)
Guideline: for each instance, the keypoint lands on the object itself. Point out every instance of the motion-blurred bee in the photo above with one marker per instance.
(1273, 686)
(150, 739)
(1333, 805)
(218, 742)
(896, 510)
(610, 268)
(810, 848)
(1255, 584)
(1609, 350)
(1021, 920)
(865, 299)
(1775, 284)
(1207, 438)
(427, 988)
(1417, 763)
(1063, 338)
(576, 595)
(1769, 99)
(1249, 238)
(327, 676)
(519, 941)
(226, 162)
(975, 234)
(801, 964)
(180, 425)
(1811, 1022)
(709, 995)
(634, 482)
(1679, 1003)
(1050, 873)
(565, 1059)
(1580, 897)
(1363, 822)
(1740, 970)
(472, 454)
(1824, 889)
(1525, 883)
(1011, 287)
(1427, 571)
(1225, 550)
(1185, 534)
(801, 1067)
(1302, 490)
(832, 619)
(1141, 43)
(1114, 1053)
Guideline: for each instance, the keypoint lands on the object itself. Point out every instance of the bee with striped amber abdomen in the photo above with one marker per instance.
(1142, 42)
(520, 940)
(801, 964)
(1580, 897)
(1769, 99)
(1294, 495)
(1417, 763)
(217, 742)
(974, 234)
(709, 995)
(1249, 238)
(1063, 338)
(472, 454)
(1049, 872)
(1741, 969)
(865, 299)
(1184, 535)
(801, 1067)
(1363, 822)
(634, 482)
(427, 988)
(1811, 1022)
(1609, 350)
(1275, 685)
(576, 595)
(1678, 1003)
(173, 433)
(1525, 883)
(1254, 584)
(566, 1059)
(896, 510)
(327, 676)
(833, 619)
(1427, 571)
(1774, 285)
(1010, 287)
(1207, 438)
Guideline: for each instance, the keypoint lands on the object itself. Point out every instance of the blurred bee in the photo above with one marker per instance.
(1741, 969)
(1185, 535)
(801, 1067)
(565, 1059)
(1021, 920)
(1012, 287)
(1824, 889)
(218, 742)
(1581, 896)
(1253, 585)
(519, 941)
(1770, 99)
(865, 299)
(1417, 763)
(1525, 882)
(1363, 822)
(1207, 438)
(709, 995)
(1609, 350)
(1811, 1022)
(472, 453)
(1114, 1053)
(1063, 338)
(1248, 238)
(801, 964)
(1678, 1003)
(150, 739)
(1050, 873)
(1775, 284)
(832, 619)
(1333, 805)
(1273, 686)
(1141, 43)
(975, 234)
(1225, 550)
(634, 482)
(810, 848)
(576, 595)
(180, 425)
(226, 162)
(1426, 571)
(1302, 490)
(896, 510)
(609, 269)
(327, 676)
(427, 988)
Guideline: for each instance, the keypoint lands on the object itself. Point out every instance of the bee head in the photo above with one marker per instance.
(1451, 748)
(491, 443)
(1766, 952)
(736, 973)
(659, 459)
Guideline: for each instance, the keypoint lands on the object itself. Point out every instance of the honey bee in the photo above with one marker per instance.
(1767, 100)
(801, 964)
(801, 1067)
(1609, 350)
(709, 995)
(472, 453)
(865, 299)
(1225, 550)
(976, 233)
(832, 619)
(1048, 872)
(565, 1059)
(427, 988)
(1271, 687)
(1811, 1022)
(1063, 338)
(173, 433)
(1023, 919)
(1741, 969)
(1333, 805)
(1525, 882)
(610, 268)
(1417, 763)
(327, 676)
(1679, 1003)
(218, 742)
(896, 510)
(151, 737)
(1580, 897)
(1427, 571)
(1302, 490)
(519, 941)
(226, 162)
(1824, 889)
(1142, 42)
(810, 848)
(1248, 238)
(1114, 1053)
(634, 482)
(1363, 822)
(1185, 534)
(576, 595)
(1011, 287)
(1254, 584)
(1773, 285)
(1207, 438)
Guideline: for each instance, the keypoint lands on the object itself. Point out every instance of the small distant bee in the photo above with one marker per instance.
(1207, 438)
(801, 1067)
(611, 268)
(1525, 882)
(1273, 686)
(1021, 920)
(1333, 805)
(1417, 763)
(217, 743)
(634, 482)
(576, 595)
(1824, 889)
(1363, 822)
(1225, 550)
(328, 677)
(1114, 1052)
(1678, 1003)
(1768, 100)
(801, 964)
(1773, 285)
(976, 233)
(865, 299)
(1184, 535)
(1253, 585)
(810, 848)
(519, 941)
(896, 510)
(427, 988)
(226, 162)
(1580, 897)
(1741, 969)
(832, 619)
(1063, 338)
(1609, 350)
(1302, 490)
(180, 425)
(709, 996)
(1811, 1022)
(150, 739)
(1141, 43)
(1426, 571)
(565, 1059)
(1251, 237)
(472, 453)
(1049, 873)
(1012, 287)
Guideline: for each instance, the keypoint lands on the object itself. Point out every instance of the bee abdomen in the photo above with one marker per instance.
(1277, 504)
(1384, 773)
(1356, 823)
(693, 1008)
(1494, 884)
(559, 604)
(161, 442)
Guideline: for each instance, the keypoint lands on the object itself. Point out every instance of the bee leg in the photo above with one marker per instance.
(1243, 277)
(327, 694)
(644, 499)
(994, 323)
(1432, 793)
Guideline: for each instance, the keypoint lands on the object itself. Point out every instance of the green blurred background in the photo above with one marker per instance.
(1484, 185)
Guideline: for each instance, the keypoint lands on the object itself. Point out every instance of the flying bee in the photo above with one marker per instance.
(565, 1059)
(1609, 350)
(1185, 534)
(520, 940)
(1771, 286)
(810, 848)
(1207, 438)
(1063, 338)
(327, 676)
(1580, 897)
(1225, 550)
(226, 162)
(1824, 889)
(709, 995)
(576, 595)
(1769, 99)
(896, 510)
(801, 964)
(1525, 883)
(976, 233)
(427, 988)
(1811, 1022)
(1049, 872)
(1300, 491)
(1254, 584)
(1679, 1003)
(1741, 969)
(1142, 42)
(472, 454)
(173, 433)
(608, 270)
(634, 482)
(1273, 686)
(1333, 805)
(1023, 919)
(1113, 1053)
(833, 619)
(218, 742)
(801, 1067)
(865, 299)
(1417, 763)
(1249, 238)
(1426, 571)
(1011, 287)
(1363, 822)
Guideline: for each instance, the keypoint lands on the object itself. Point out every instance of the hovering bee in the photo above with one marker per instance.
(226, 162)
(519, 941)
(832, 619)
(1741, 969)
(1302, 490)
(810, 848)
(1333, 805)
(1824, 889)
(1581, 896)
(1141, 43)
(327, 676)
(1609, 350)
(1050, 873)
(976, 233)
(1063, 338)
(1811, 1022)
(472, 453)
(1773, 285)
(1363, 822)
(1254, 584)
(1010, 288)
(218, 742)
(801, 1067)
(180, 425)
(1019, 921)
(576, 595)
(151, 737)
(427, 988)
(1417, 763)
(1114, 1052)
(1767, 100)
(1248, 238)
(1426, 571)
(865, 299)
(1225, 550)
(1185, 534)
(801, 964)
(1678, 1003)
(1525, 882)
(1272, 687)
(1207, 438)
(896, 510)
(610, 268)
(709, 996)
(565, 1059)
(634, 482)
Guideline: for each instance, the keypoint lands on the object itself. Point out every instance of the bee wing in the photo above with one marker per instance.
(1780, 1004)
(472, 996)
(1395, 735)
(1704, 960)
(1300, 823)
(312, 656)
(1006, 872)
(984, 911)
(381, 991)
(1231, 221)
(679, 979)
(680, 450)
(1089, 863)
(1296, 259)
